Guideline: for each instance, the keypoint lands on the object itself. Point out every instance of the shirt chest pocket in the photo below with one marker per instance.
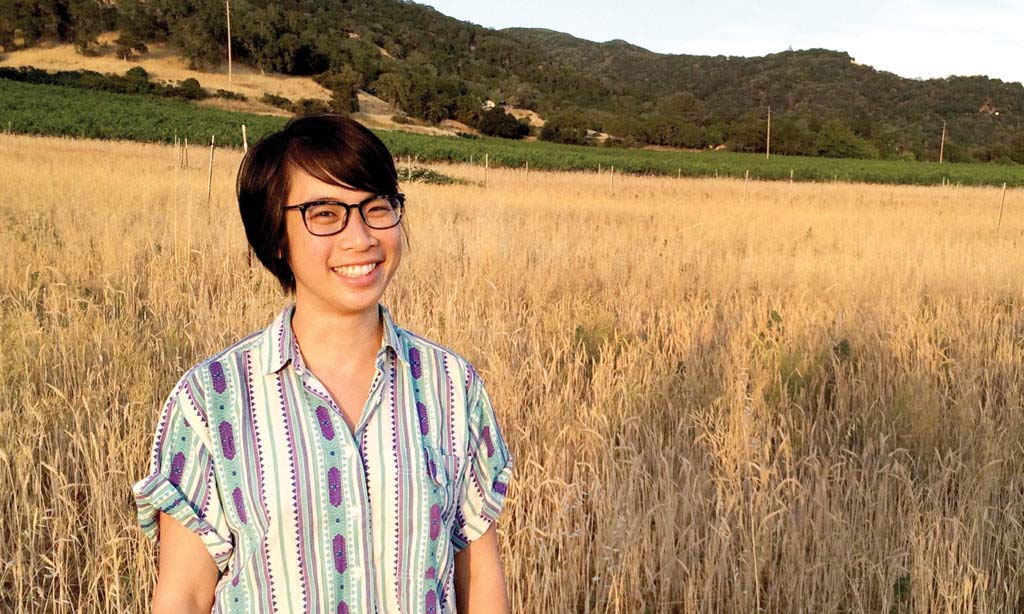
(443, 481)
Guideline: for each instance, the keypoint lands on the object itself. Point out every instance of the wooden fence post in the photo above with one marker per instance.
(209, 180)
(1002, 203)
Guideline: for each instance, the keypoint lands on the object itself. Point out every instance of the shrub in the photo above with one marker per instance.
(228, 94)
(137, 73)
(190, 89)
(496, 122)
(276, 101)
(836, 140)
(569, 128)
(310, 105)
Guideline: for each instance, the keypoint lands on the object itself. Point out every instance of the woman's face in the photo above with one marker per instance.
(330, 272)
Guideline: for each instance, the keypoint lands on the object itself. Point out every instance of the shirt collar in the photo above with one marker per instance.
(280, 346)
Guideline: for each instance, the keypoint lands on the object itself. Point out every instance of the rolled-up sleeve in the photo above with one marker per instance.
(182, 481)
(488, 468)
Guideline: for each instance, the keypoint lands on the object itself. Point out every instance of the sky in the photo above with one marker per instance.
(912, 38)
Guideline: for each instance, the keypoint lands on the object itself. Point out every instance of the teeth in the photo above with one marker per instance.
(355, 271)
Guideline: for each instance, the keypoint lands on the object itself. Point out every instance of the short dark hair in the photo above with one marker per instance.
(330, 148)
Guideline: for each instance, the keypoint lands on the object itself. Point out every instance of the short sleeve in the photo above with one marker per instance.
(488, 469)
(181, 481)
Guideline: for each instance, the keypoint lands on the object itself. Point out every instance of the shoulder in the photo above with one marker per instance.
(425, 355)
(216, 374)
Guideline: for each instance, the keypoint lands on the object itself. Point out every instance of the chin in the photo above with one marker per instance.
(353, 304)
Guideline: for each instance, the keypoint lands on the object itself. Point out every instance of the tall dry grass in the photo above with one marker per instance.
(721, 397)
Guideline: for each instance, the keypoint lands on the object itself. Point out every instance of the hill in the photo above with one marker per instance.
(437, 68)
(250, 86)
(805, 89)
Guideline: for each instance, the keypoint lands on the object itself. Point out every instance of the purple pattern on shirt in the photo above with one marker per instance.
(342, 607)
(340, 563)
(239, 505)
(177, 467)
(217, 375)
(334, 486)
(435, 521)
(485, 434)
(414, 362)
(431, 573)
(431, 602)
(421, 412)
(324, 419)
(227, 439)
(500, 487)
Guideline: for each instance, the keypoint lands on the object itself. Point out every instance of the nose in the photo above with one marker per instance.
(356, 235)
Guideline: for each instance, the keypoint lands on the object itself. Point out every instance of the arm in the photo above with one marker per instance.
(479, 579)
(187, 574)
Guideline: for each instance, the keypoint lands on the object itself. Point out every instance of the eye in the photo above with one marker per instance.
(323, 212)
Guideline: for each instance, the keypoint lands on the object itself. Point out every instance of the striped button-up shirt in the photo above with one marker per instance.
(299, 513)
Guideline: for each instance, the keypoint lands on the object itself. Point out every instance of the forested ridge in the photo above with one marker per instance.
(434, 67)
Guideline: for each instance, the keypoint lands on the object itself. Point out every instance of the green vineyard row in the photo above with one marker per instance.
(63, 111)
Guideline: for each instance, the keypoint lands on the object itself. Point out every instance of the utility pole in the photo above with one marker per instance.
(768, 141)
(227, 11)
(942, 143)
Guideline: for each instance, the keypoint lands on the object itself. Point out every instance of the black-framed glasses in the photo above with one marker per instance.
(329, 217)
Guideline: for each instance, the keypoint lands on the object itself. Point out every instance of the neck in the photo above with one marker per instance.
(341, 341)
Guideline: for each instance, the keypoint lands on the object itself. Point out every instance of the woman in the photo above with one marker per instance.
(333, 462)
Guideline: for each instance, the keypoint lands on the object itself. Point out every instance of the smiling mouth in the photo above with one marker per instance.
(355, 271)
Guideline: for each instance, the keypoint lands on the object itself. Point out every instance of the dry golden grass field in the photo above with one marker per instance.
(720, 397)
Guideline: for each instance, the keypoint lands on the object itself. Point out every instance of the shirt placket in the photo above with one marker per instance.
(356, 495)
